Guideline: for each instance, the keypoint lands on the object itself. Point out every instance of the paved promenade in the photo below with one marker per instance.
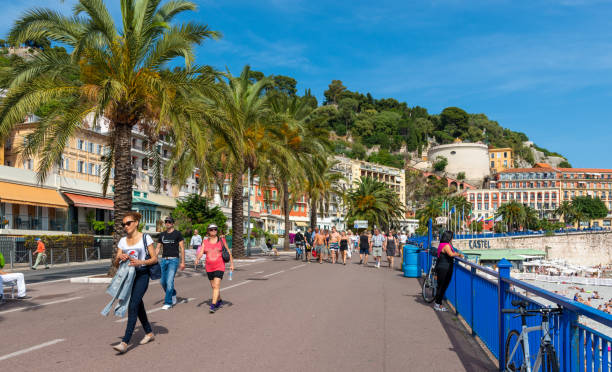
(281, 315)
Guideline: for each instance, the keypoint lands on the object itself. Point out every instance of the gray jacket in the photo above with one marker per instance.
(120, 288)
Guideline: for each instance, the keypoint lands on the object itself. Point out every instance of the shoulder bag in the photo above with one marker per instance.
(225, 253)
(154, 270)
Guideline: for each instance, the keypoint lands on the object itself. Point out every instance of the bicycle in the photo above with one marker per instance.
(517, 344)
(430, 284)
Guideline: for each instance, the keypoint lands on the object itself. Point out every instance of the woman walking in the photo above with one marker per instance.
(215, 266)
(132, 247)
(444, 267)
(344, 244)
(390, 249)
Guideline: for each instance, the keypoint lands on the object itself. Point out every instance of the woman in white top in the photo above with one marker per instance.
(132, 247)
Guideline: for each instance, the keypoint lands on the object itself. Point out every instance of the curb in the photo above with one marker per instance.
(90, 280)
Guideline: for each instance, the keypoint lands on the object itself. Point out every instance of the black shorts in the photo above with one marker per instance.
(363, 250)
(215, 274)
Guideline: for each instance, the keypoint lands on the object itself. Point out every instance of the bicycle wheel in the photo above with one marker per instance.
(550, 363)
(429, 288)
(516, 364)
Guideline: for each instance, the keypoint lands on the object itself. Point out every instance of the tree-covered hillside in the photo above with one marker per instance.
(389, 124)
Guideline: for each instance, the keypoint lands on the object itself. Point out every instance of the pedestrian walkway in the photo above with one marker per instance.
(280, 314)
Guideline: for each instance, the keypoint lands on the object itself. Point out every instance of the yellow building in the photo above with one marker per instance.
(500, 159)
(596, 183)
(82, 157)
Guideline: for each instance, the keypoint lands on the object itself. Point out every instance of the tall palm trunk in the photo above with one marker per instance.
(287, 212)
(237, 217)
(313, 212)
(123, 185)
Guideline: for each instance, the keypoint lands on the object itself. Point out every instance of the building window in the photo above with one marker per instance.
(91, 170)
(91, 147)
(505, 163)
(492, 164)
(492, 157)
(98, 149)
(98, 170)
(80, 166)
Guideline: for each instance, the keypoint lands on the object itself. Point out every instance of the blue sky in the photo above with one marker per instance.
(543, 67)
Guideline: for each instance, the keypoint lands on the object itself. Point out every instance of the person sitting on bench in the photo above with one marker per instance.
(15, 277)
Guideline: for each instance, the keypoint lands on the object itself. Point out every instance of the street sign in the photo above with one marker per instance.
(441, 220)
(360, 224)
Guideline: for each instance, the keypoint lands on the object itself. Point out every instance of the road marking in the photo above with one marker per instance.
(236, 285)
(297, 267)
(40, 305)
(124, 319)
(276, 273)
(23, 351)
(49, 281)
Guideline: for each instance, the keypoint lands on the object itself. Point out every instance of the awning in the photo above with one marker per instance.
(137, 200)
(31, 195)
(90, 201)
(301, 223)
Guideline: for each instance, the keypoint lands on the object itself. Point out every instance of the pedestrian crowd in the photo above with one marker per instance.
(332, 246)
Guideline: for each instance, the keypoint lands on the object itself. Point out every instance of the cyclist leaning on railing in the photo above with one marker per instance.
(444, 267)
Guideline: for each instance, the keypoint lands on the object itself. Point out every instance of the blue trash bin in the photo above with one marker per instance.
(410, 263)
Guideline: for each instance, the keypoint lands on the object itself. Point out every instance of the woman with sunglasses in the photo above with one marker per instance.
(131, 247)
(212, 247)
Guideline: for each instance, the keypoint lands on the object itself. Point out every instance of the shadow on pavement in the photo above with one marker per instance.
(464, 344)
(209, 302)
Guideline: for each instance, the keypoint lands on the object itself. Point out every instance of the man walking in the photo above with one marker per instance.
(319, 244)
(334, 244)
(309, 236)
(365, 242)
(173, 248)
(40, 254)
(378, 244)
(196, 240)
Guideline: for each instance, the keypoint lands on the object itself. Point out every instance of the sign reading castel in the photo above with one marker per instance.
(479, 244)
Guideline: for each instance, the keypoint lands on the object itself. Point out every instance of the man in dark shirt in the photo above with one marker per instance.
(173, 248)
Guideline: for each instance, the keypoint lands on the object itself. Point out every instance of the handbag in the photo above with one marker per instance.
(225, 253)
(154, 270)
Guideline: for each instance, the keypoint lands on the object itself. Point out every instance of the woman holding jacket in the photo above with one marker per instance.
(132, 247)
(444, 267)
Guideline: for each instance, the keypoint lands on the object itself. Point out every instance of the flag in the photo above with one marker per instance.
(452, 209)
(498, 219)
(489, 219)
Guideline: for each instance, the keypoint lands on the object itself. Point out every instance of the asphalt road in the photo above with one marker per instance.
(63, 272)
(281, 315)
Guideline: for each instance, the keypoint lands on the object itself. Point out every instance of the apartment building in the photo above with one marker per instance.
(538, 188)
(592, 182)
(500, 159)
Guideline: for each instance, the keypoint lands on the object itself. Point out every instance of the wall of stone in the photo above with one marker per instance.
(581, 249)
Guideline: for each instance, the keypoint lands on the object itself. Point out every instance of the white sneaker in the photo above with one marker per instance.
(439, 308)
(166, 307)
(173, 300)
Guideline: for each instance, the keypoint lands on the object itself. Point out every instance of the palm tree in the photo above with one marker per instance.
(246, 108)
(432, 210)
(513, 215)
(374, 202)
(323, 184)
(567, 211)
(532, 220)
(121, 76)
(289, 169)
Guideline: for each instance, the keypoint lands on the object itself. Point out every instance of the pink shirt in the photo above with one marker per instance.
(441, 247)
(214, 260)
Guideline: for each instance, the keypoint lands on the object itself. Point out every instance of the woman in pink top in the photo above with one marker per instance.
(212, 247)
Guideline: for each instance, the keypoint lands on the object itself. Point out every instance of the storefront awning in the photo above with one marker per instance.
(138, 200)
(31, 195)
(90, 201)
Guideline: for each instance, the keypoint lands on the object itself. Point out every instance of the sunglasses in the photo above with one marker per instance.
(213, 229)
(170, 222)
(124, 224)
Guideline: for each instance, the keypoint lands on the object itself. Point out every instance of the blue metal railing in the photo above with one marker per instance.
(478, 294)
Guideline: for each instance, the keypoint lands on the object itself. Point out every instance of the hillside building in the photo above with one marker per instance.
(470, 158)
(500, 159)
